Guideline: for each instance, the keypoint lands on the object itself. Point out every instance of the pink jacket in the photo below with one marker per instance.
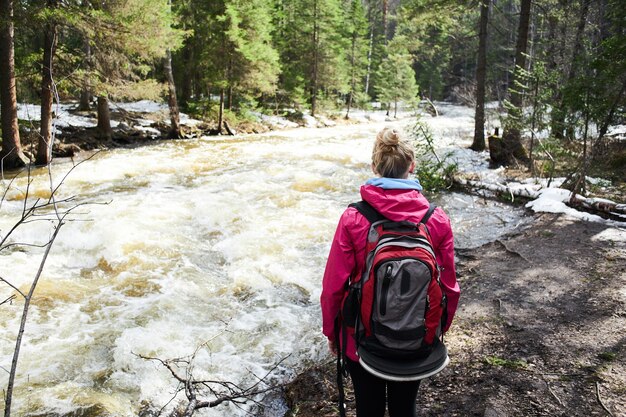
(347, 252)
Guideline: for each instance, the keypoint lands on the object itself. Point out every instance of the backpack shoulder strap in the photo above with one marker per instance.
(372, 215)
(366, 209)
(430, 211)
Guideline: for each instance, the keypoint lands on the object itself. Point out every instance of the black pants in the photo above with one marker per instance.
(372, 393)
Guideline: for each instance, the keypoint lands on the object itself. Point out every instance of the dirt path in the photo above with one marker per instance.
(540, 331)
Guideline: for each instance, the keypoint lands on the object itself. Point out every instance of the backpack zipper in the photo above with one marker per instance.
(385, 290)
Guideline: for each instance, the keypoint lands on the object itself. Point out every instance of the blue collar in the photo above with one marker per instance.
(395, 183)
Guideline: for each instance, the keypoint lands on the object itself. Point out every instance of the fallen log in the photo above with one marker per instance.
(608, 208)
(230, 131)
(498, 188)
(598, 204)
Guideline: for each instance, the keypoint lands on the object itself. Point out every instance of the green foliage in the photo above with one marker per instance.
(253, 65)
(395, 77)
(125, 37)
(506, 363)
(313, 40)
(435, 173)
(357, 28)
(439, 35)
(514, 118)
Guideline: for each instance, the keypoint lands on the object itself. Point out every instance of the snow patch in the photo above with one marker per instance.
(611, 235)
(65, 116)
(552, 200)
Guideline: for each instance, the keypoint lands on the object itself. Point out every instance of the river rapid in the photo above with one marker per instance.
(215, 246)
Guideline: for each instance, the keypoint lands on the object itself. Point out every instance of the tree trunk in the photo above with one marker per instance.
(188, 75)
(511, 139)
(11, 155)
(85, 93)
(220, 116)
(172, 102)
(352, 72)
(229, 104)
(558, 124)
(385, 12)
(369, 60)
(496, 150)
(104, 119)
(481, 71)
(44, 148)
(315, 60)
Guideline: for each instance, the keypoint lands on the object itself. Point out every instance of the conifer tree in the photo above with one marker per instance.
(230, 50)
(396, 78)
(481, 71)
(356, 25)
(511, 138)
(44, 146)
(126, 36)
(252, 59)
(439, 37)
(313, 42)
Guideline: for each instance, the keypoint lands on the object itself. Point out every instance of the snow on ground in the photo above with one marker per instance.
(453, 131)
(552, 200)
(618, 131)
(66, 118)
(63, 117)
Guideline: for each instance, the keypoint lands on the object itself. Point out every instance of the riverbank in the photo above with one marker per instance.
(144, 122)
(539, 330)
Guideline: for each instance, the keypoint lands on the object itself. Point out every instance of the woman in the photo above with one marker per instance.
(397, 198)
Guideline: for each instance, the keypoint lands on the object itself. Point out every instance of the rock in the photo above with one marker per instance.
(309, 121)
(493, 412)
(62, 150)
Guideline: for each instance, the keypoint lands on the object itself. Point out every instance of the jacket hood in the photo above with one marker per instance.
(396, 204)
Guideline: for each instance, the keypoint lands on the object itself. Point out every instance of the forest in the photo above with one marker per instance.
(557, 68)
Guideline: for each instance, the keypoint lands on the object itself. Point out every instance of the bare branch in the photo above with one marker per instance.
(600, 400)
(54, 191)
(222, 391)
(9, 299)
(12, 286)
(19, 244)
(7, 188)
(28, 183)
(20, 334)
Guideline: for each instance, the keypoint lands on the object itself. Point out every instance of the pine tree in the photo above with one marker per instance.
(357, 28)
(396, 78)
(230, 51)
(481, 69)
(511, 138)
(126, 36)
(44, 146)
(312, 40)
(439, 36)
(253, 60)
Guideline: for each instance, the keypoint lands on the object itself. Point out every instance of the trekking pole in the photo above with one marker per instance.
(340, 371)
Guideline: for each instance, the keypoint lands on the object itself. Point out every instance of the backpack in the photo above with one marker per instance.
(397, 306)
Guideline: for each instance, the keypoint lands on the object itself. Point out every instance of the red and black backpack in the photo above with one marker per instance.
(396, 306)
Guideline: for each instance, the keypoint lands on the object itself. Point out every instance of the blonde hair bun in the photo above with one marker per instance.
(389, 137)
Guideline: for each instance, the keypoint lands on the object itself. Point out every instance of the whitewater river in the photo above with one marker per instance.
(216, 241)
